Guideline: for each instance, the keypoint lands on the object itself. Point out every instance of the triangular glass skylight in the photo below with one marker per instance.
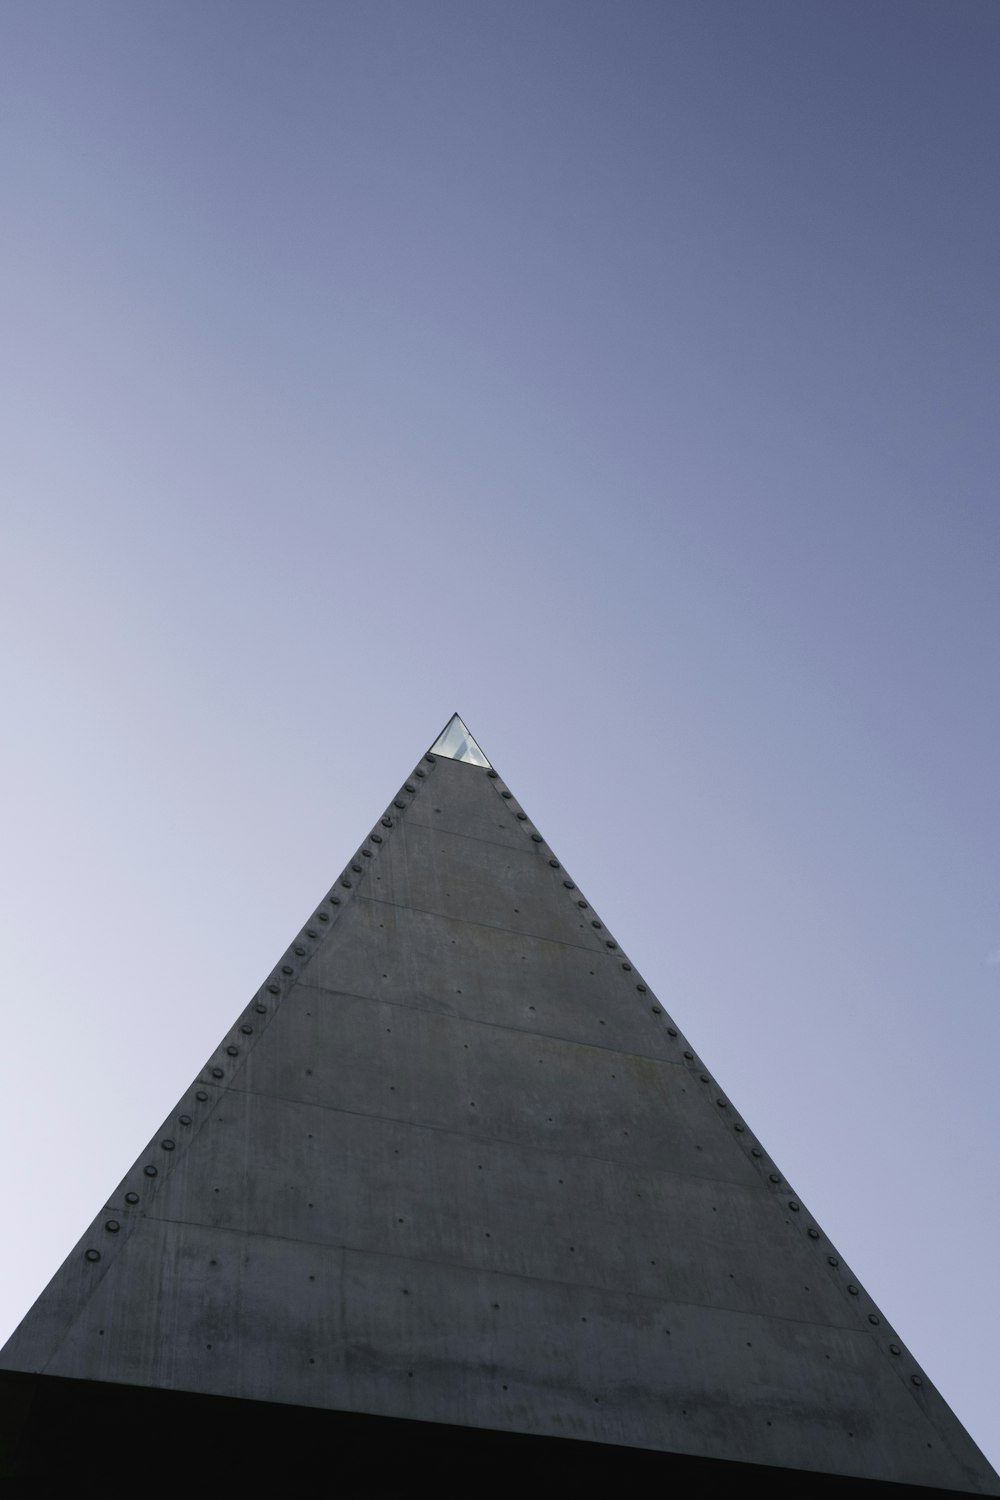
(457, 743)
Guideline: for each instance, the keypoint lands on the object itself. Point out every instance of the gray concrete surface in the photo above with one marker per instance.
(456, 1165)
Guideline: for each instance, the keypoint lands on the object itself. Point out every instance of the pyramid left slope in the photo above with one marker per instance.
(150, 1257)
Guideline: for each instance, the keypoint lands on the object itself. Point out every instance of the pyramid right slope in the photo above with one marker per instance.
(455, 1164)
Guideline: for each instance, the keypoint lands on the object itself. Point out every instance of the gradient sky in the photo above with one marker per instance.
(622, 375)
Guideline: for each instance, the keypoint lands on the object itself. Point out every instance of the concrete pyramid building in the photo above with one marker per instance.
(454, 1189)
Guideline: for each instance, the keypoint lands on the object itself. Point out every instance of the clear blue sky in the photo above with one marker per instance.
(621, 375)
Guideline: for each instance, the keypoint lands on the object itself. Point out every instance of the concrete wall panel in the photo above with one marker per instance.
(373, 1058)
(401, 1337)
(365, 1183)
(489, 974)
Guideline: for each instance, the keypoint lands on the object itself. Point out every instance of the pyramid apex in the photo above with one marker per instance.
(456, 742)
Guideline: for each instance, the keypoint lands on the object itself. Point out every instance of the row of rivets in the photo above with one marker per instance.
(793, 1205)
(376, 838)
(570, 886)
(609, 942)
(774, 1177)
(112, 1226)
(855, 1291)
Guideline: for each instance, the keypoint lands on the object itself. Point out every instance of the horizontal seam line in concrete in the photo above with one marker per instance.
(459, 1265)
(426, 911)
(500, 1140)
(324, 989)
(518, 848)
